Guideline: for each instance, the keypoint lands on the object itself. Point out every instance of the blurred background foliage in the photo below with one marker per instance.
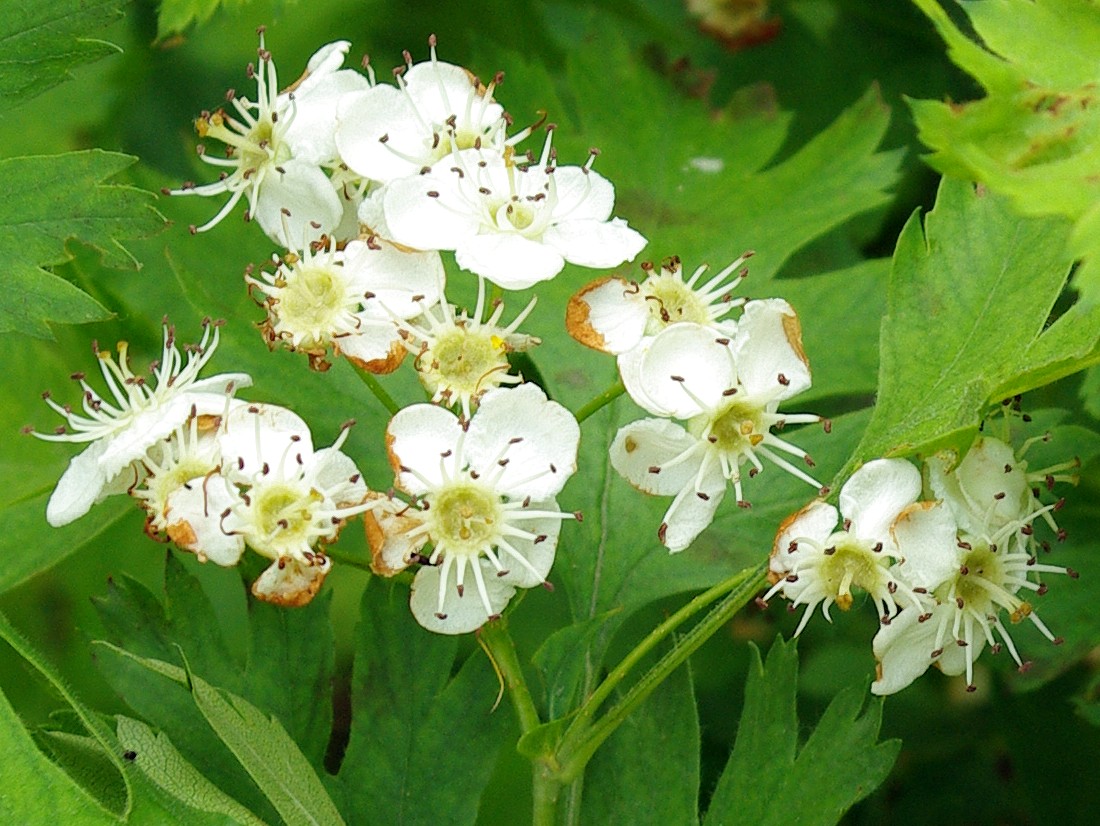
(641, 80)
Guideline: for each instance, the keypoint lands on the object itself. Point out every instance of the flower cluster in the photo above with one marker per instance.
(943, 572)
(365, 182)
(213, 473)
(681, 356)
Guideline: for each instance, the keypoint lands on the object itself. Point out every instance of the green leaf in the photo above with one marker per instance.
(103, 737)
(51, 200)
(36, 789)
(1035, 137)
(989, 281)
(259, 743)
(41, 546)
(158, 759)
(660, 739)
(414, 728)
(770, 780)
(85, 760)
(41, 42)
(562, 660)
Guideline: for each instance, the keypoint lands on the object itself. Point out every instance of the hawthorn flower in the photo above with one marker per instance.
(616, 316)
(278, 145)
(813, 563)
(992, 487)
(483, 497)
(293, 500)
(728, 391)
(347, 300)
(386, 132)
(973, 577)
(514, 221)
(460, 357)
(135, 414)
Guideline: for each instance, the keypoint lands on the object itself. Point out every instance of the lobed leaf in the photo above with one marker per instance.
(1035, 137)
(970, 300)
(41, 42)
(769, 779)
(50, 201)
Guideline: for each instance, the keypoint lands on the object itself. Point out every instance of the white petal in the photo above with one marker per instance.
(875, 494)
(442, 90)
(428, 222)
(815, 522)
(374, 344)
(508, 259)
(193, 515)
(364, 118)
(462, 613)
(609, 315)
(686, 370)
(423, 438)
(291, 583)
(143, 431)
(904, 650)
(927, 541)
(311, 131)
(540, 555)
(650, 443)
(996, 497)
(581, 195)
(402, 283)
(334, 474)
(693, 509)
(769, 345)
(388, 534)
(305, 191)
(257, 434)
(540, 463)
(78, 488)
(599, 244)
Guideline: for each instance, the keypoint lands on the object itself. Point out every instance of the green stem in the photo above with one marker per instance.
(353, 560)
(545, 785)
(375, 387)
(606, 397)
(583, 737)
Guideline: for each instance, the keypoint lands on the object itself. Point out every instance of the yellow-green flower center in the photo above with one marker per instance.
(465, 518)
(283, 511)
(737, 428)
(671, 301)
(462, 361)
(852, 563)
(311, 301)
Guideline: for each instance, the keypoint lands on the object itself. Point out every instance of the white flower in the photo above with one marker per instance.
(348, 300)
(729, 393)
(973, 577)
(512, 220)
(385, 132)
(277, 146)
(460, 357)
(812, 563)
(992, 487)
(135, 414)
(483, 497)
(616, 316)
(293, 500)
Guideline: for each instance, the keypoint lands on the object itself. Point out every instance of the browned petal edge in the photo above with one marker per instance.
(909, 511)
(208, 422)
(289, 598)
(379, 367)
(793, 329)
(773, 576)
(182, 534)
(577, 312)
